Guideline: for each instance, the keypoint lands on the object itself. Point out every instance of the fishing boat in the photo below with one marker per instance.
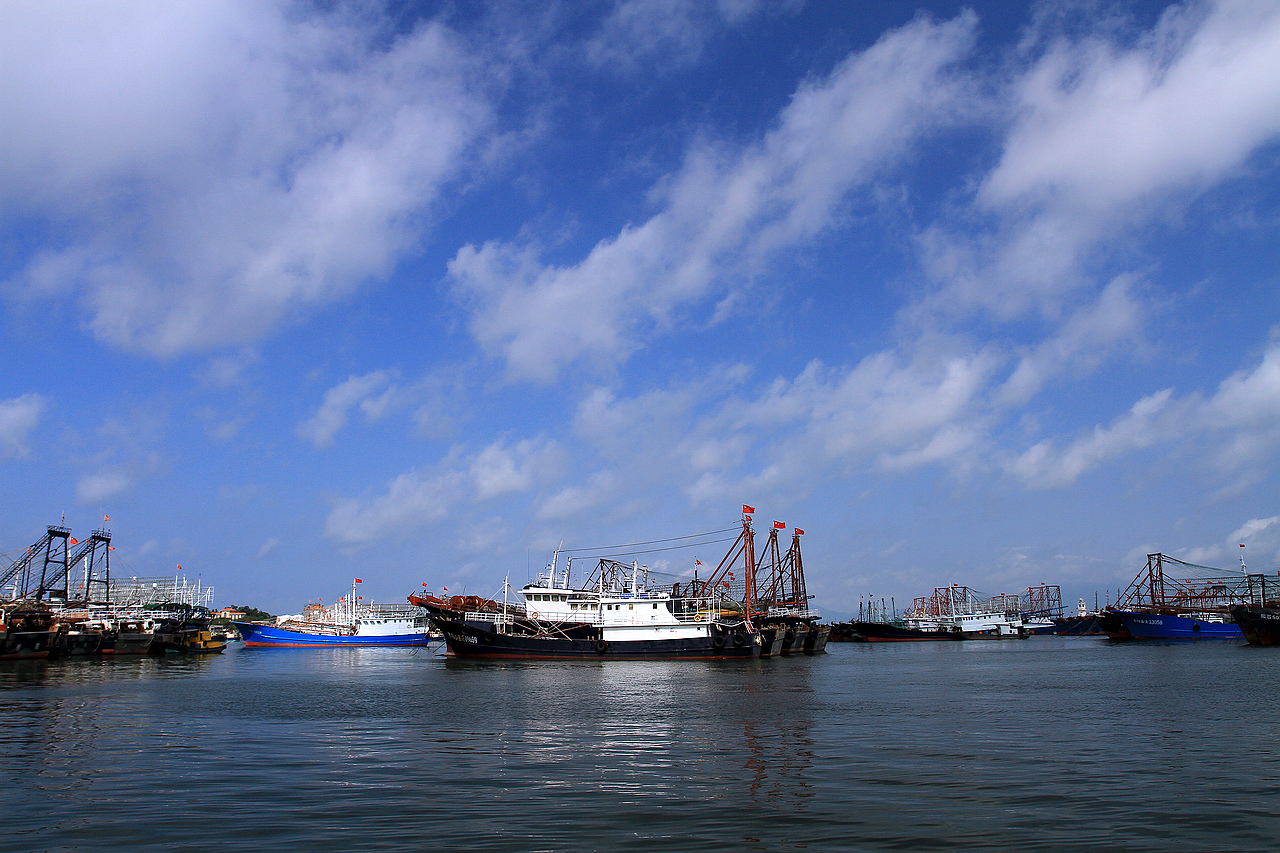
(903, 630)
(134, 635)
(1259, 617)
(1259, 623)
(961, 611)
(1083, 623)
(615, 613)
(348, 623)
(1169, 599)
(776, 593)
(628, 611)
(1154, 625)
(28, 631)
(185, 630)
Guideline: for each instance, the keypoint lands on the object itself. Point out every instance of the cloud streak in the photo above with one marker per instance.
(725, 215)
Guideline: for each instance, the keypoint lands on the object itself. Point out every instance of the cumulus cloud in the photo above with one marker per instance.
(369, 393)
(419, 497)
(18, 418)
(412, 499)
(1103, 137)
(208, 170)
(499, 469)
(724, 213)
(96, 488)
(1253, 527)
(1045, 465)
(1099, 126)
(1081, 342)
(1238, 425)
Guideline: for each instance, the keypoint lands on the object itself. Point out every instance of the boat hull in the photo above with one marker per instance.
(885, 632)
(1168, 626)
(1076, 626)
(268, 636)
(480, 640)
(1260, 624)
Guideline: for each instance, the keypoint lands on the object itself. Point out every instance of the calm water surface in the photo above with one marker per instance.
(1044, 744)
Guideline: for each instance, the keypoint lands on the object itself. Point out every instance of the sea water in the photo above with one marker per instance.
(1046, 743)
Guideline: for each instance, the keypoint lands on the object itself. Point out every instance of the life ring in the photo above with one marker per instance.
(789, 637)
(534, 614)
(739, 638)
(718, 641)
(1195, 626)
(601, 646)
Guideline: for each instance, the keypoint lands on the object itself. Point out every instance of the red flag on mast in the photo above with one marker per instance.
(780, 525)
(747, 510)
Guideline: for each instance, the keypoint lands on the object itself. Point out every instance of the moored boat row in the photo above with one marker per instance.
(30, 631)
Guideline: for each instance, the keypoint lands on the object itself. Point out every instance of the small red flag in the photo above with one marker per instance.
(71, 540)
(779, 525)
(697, 562)
(106, 518)
(359, 581)
(424, 583)
(747, 510)
(179, 565)
(799, 532)
(445, 588)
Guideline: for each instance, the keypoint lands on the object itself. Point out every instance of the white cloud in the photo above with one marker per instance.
(369, 392)
(1100, 127)
(96, 488)
(725, 213)
(1252, 528)
(499, 469)
(210, 170)
(1140, 427)
(636, 34)
(1102, 139)
(1081, 343)
(1237, 428)
(1243, 415)
(412, 500)
(418, 498)
(19, 416)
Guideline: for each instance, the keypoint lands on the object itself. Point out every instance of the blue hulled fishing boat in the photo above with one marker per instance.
(1142, 625)
(348, 623)
(1164, 603)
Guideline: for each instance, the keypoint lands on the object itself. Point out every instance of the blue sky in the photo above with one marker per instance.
(978, 293)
